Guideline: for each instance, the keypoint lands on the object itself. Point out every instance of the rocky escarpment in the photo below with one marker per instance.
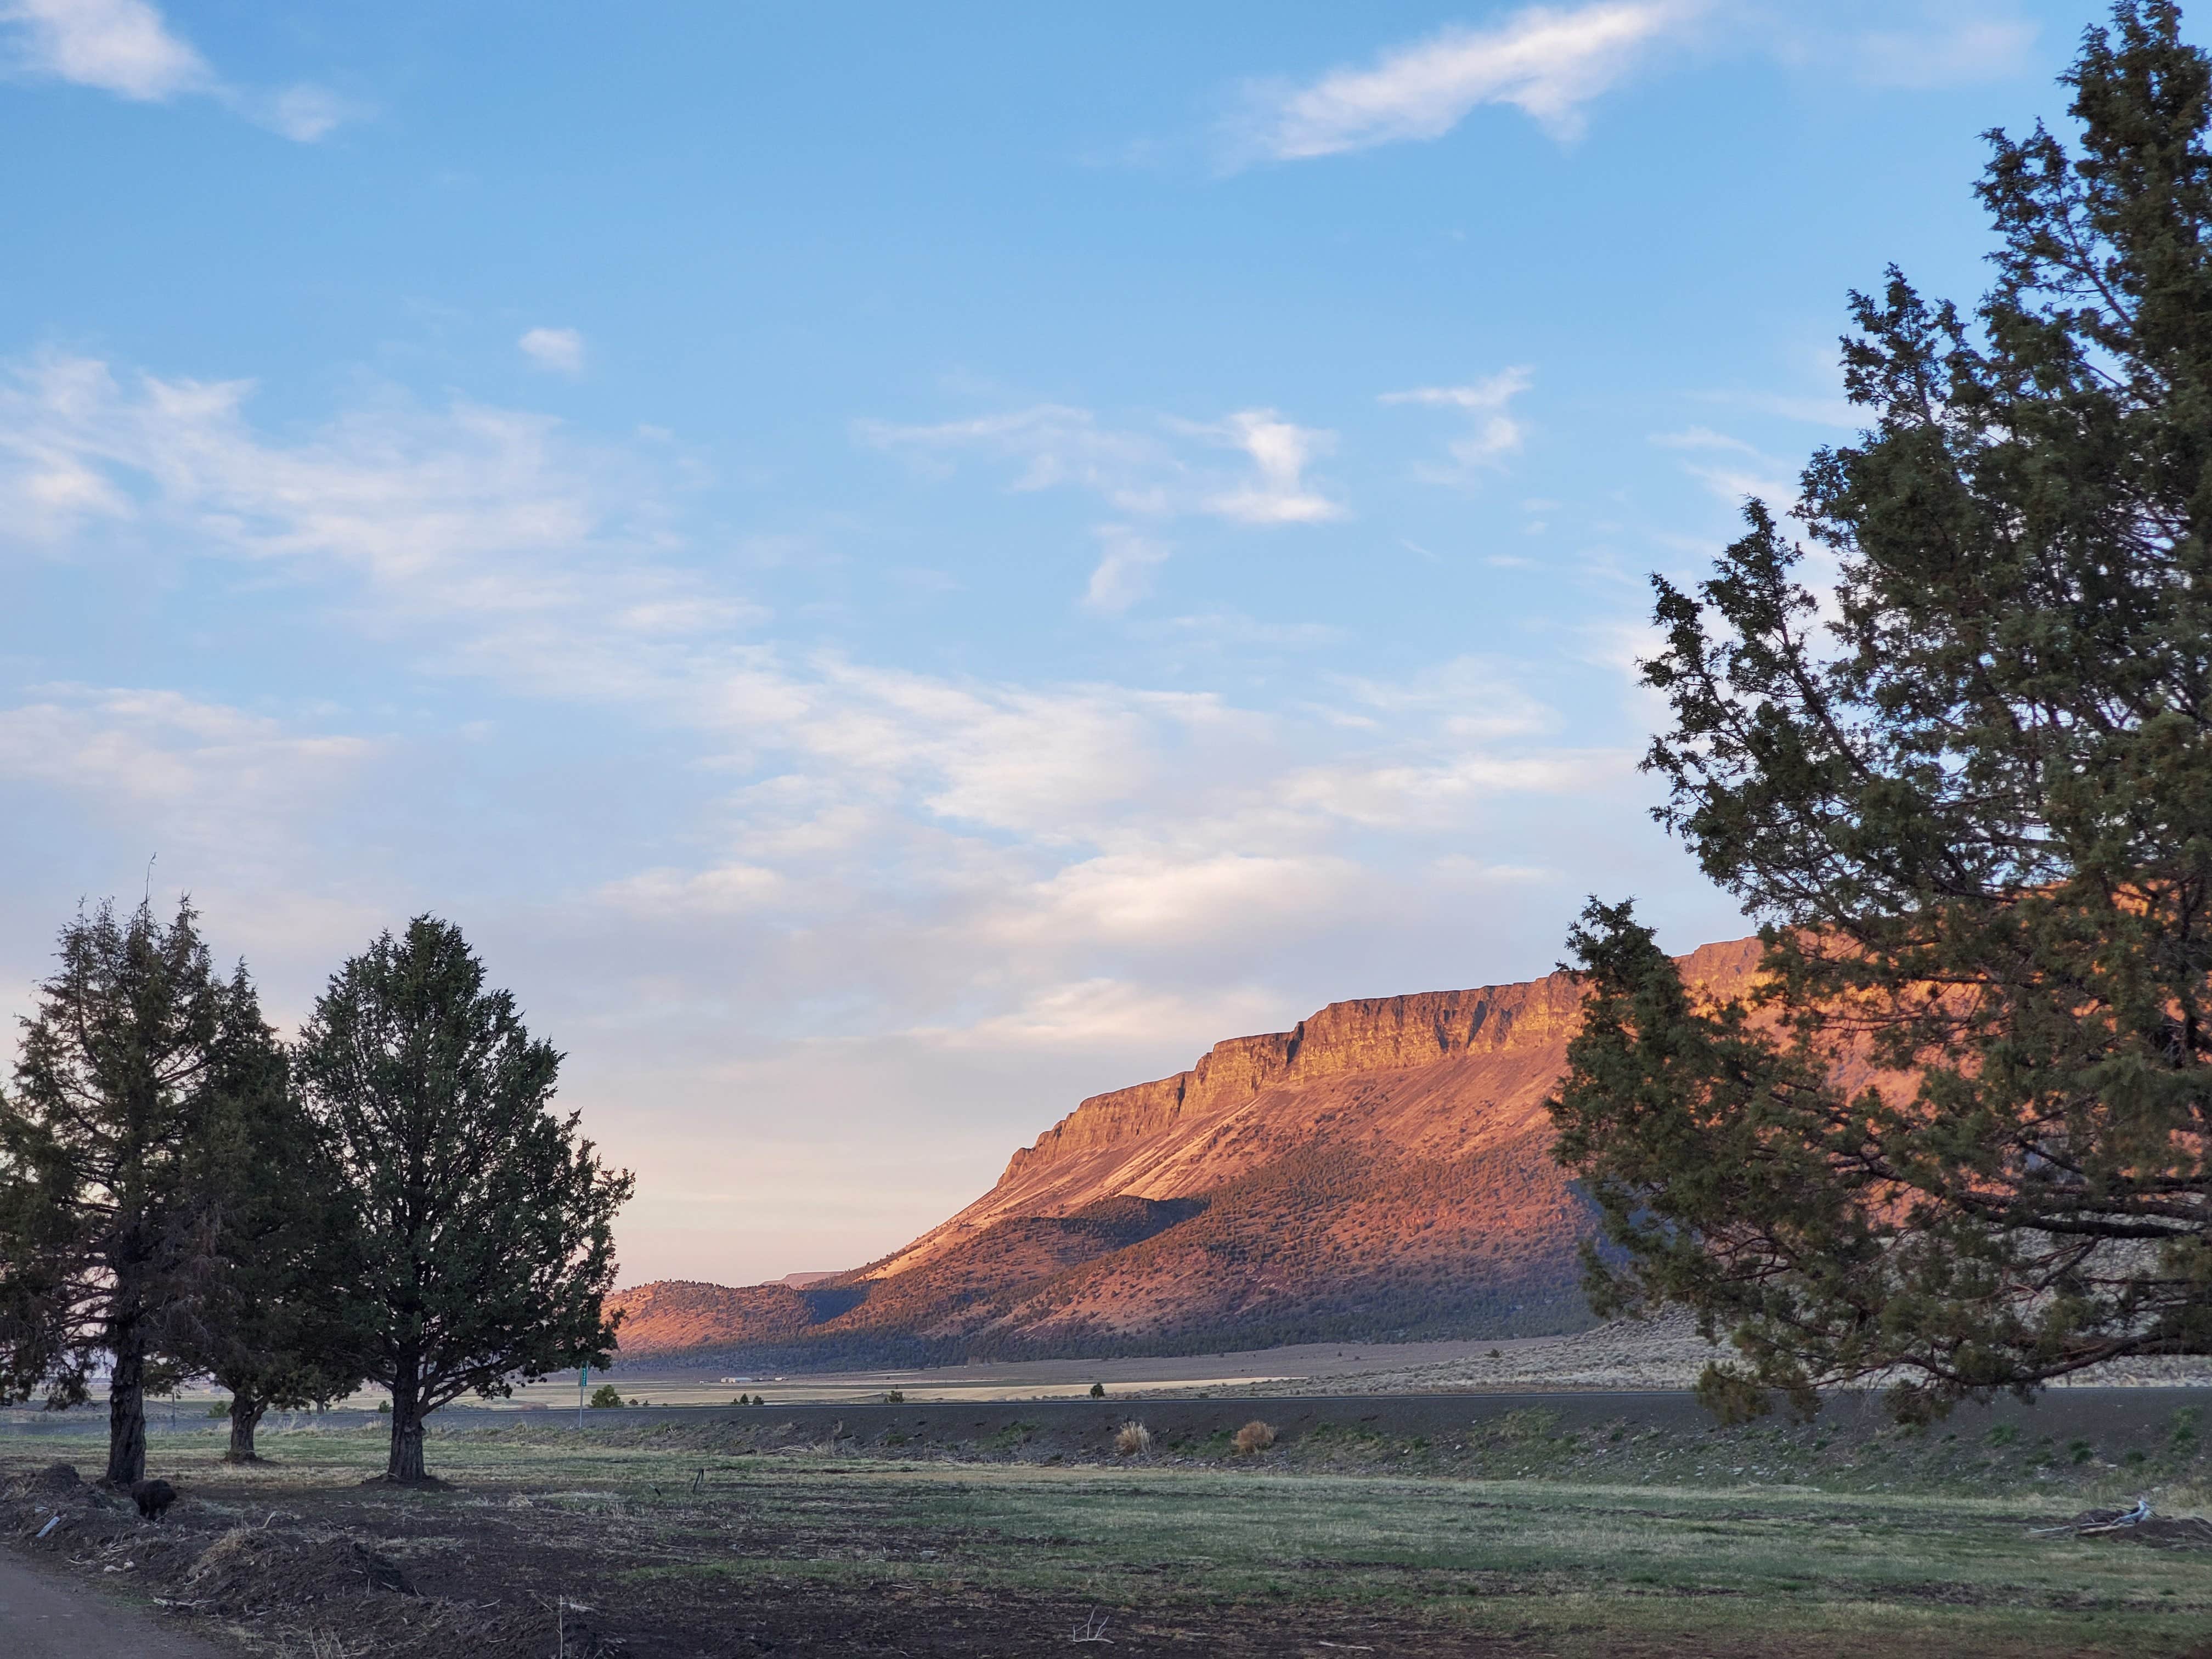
(1449, 1072)
(1382, 1168)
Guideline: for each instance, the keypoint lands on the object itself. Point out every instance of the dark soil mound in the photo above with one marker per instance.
(52, 1481)
(247, 1569)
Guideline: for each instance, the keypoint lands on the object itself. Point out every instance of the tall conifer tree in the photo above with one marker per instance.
(485, 1224)
(135, 1053)
(1967, 1134)
(284, 1326)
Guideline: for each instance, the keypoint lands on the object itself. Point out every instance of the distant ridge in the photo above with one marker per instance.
(1382, 1171)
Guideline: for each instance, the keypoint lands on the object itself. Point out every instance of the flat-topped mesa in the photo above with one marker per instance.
(1367, 1035)
(1382, 1167)
(1371, 1034)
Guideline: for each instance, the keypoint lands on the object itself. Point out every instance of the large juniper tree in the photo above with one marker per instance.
(284, 1324)
(1965, 1133)
(485, 1224)
(135, 1052)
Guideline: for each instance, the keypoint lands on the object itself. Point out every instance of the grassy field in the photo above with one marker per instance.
(708, 1543)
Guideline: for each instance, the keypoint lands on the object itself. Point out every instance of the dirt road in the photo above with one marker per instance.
(42, 1619)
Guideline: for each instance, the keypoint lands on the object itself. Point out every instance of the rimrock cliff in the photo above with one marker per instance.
(1381, 1169)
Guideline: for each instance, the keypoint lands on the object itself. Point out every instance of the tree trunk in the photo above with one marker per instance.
(127, 1413)
(244, 1415)
(405, 1463)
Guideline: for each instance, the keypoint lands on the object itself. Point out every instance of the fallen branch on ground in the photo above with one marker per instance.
(2137, 1525)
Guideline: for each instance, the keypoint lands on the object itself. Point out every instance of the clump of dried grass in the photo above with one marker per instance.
(234, 1549)
(1132, 1439)
(1255, 1438)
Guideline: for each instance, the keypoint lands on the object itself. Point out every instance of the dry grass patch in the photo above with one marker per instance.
(1255, 1438)
(1132, 1439)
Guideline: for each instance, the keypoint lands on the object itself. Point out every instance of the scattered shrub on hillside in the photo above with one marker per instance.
(1255, 1438)
(895, 1398)
(2184, 1427)
(383, 1406)
(2003, 1435)
(605, 1397)
(1097, 1390)
(1134, 1437)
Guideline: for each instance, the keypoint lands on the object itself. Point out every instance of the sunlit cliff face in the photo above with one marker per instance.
(1384, 1168)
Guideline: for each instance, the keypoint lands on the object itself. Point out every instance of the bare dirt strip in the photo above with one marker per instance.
(41, 1619)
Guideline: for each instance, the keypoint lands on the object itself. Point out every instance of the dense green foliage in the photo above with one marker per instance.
(136, 1060)
(282, 1329)
(486, 1235)
(1963, 1139)
(172, 1204)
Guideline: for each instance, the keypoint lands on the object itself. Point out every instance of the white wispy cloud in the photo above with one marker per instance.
(561, 350)
(1816, 399)
(197, 774)
(497, 546)
(501, 547)
(880, 890)
(126, 47)
(302, 113)
(1278, 492)
(122, 47)
(1165, 472)
(726, 890)
(1546, 61)
(451, 511)
(1124, 572)
(1161, 896)
(1054, 445)
(1106, 1012)
(1496, 433)
(1552, 62)
(1214, 630)
(1736, 484)
(1429, 794)
(1732, 470)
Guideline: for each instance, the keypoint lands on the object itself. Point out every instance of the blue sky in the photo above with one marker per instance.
(897, 567)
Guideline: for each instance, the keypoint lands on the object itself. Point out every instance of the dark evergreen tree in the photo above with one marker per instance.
(135, 1053)
(1963, 1136)
(485, 1226)
(284, 1326)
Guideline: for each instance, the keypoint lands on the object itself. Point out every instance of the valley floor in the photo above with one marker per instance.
(1623, 1355)
(1626, 1355)
(1584, 1530)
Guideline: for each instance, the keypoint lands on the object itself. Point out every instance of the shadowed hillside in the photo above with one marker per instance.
(1381, 1172)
